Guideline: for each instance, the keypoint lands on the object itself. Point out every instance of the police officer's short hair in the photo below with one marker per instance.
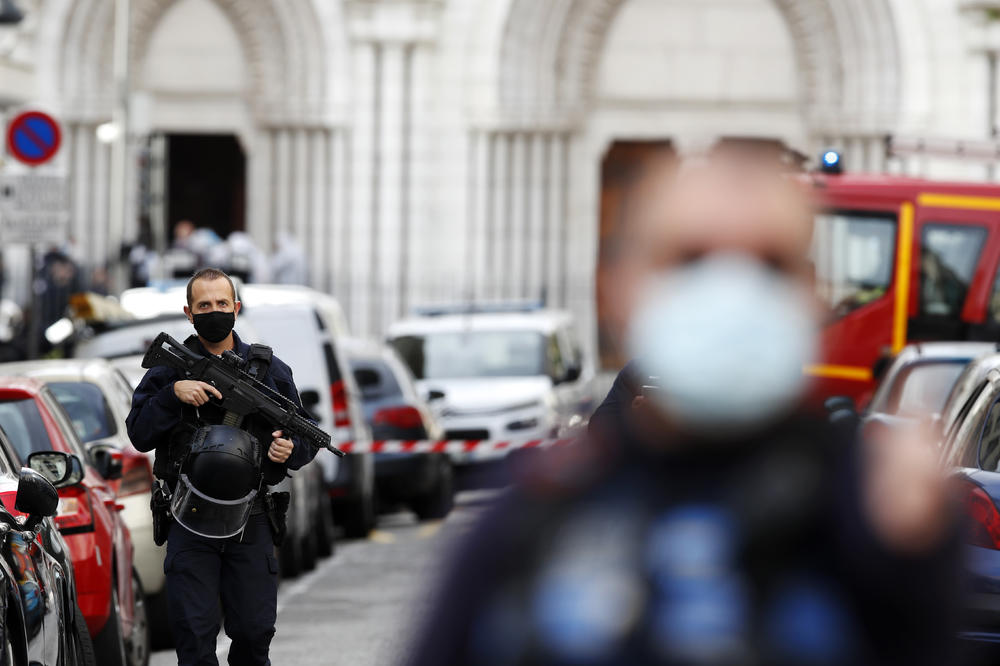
(209, 274)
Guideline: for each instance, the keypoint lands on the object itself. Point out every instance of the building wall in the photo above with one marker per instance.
(433, 150)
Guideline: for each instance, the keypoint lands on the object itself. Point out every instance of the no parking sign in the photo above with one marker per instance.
(34, 201)
(33, 137)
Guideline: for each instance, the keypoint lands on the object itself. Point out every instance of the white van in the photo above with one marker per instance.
(303, 326)
(505, 374)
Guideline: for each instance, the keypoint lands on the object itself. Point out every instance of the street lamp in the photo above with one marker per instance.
(10, 13)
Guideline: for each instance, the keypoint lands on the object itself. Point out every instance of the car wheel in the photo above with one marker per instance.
(290, 557)
(438, 502)
(359, 517)
(83, 646)
(138, 641)
(309, 551)
(160, 636)
(326, 531)
(109, 643)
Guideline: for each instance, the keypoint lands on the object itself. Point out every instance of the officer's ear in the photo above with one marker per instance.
(187, 313)
(236, 308)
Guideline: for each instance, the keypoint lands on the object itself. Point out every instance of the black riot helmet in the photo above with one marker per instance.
(219, 479)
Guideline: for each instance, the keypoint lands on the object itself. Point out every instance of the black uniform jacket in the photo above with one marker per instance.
(753, 551)
(158, 416)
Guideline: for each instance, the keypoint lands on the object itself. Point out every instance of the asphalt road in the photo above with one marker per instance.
(358, 607)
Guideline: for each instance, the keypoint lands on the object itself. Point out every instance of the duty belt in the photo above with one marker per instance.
(258, 504)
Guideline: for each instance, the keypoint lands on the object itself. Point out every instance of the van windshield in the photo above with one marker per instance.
(459, 354)
(853, 255)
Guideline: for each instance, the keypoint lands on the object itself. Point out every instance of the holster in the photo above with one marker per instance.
(159, 504)
(276, 508)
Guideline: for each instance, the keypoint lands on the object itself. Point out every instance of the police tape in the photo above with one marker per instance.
(449, 445)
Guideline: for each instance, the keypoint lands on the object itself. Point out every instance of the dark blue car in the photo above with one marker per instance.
(395, 411)
(972, 449)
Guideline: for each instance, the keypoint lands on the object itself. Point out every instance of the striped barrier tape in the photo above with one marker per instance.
(448, 446)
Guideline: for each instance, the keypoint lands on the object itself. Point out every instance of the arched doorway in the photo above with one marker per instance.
(589, 73)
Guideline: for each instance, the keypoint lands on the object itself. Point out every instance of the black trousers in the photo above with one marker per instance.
(243, 575)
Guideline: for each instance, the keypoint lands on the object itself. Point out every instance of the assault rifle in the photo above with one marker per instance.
(242, 395)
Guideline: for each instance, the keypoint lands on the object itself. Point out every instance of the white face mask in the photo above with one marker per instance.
(726, 340)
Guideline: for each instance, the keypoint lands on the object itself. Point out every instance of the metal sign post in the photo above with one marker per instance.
(34, 201)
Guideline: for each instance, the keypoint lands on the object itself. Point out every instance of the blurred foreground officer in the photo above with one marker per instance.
(713, 519)
(217, 553)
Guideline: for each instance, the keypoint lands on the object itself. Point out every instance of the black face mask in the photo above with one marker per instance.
(214, 326)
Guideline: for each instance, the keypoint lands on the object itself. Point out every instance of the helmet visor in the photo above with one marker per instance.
(207, 516)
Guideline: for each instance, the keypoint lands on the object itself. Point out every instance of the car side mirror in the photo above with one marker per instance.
(880, 365)
(310, 401)
(107, 459)
(572, 373)
(435, 394)
(310, 398)
(839, 403)
(36, 497)
(60, 469)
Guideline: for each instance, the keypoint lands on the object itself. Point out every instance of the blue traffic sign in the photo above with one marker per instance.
(33, 137)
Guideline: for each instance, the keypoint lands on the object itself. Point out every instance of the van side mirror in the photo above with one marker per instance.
(310, 401)
(36, 497)
(107, 459)
(573, 372)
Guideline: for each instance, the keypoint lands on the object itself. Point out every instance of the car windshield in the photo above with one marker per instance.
(87, 409)
(922, 388)
(375, 379)
(22, 422)
(853, 258)
(461, 354)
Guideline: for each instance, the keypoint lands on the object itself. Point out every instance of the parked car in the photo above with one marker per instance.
(972, 450)
(108, 587)
(133, 337)
(497, 373)
(97, 398)
(395, 410)
(917, 382)
(40, 619)
(304, 327)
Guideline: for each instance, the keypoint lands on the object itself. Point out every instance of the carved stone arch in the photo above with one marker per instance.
(282, 42)
(847, 53)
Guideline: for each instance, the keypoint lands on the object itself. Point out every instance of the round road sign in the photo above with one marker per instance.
(33, 137)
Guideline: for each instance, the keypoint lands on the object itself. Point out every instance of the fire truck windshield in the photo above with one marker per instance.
(853, 257)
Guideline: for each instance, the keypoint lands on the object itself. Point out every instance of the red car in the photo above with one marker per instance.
(98, 540)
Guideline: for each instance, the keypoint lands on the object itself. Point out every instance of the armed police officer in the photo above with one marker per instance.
(214, 469)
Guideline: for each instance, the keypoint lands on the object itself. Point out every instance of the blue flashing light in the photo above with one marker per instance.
(831, 162)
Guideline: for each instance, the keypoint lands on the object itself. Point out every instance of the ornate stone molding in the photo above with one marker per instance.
(282, 40)
(847, 52)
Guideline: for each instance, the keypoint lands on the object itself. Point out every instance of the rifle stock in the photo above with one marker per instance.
(241, 393)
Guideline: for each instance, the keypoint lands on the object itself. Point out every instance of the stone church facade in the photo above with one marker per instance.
(434, 150)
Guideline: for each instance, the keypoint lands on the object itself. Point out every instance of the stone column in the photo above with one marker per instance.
(282, 183)
(261, 194)
(364, 193)
(536, 218)
(557, 201)
(83, 190)
(388, 238)
(385, 36)
(300, 181)
(500, 223)
(319, 223)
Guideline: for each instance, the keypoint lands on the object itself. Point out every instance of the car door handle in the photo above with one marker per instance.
(113, 504)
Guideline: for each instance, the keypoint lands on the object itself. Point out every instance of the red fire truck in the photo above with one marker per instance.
(899, 260)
